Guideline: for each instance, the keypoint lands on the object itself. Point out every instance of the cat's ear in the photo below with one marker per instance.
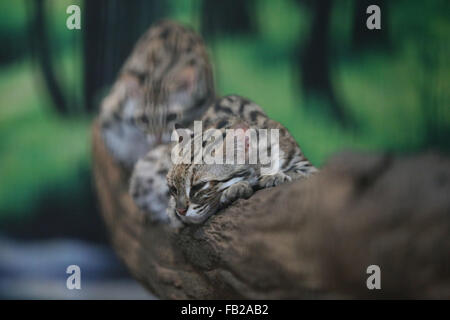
(187, 79)
(130, 84)
(242, 127)
(184, 82)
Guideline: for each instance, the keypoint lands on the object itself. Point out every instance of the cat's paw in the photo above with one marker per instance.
(150, 196)
(239, 190)
(274, 180)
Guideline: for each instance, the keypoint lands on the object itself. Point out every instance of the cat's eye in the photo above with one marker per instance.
(173, 190)
(197, 187)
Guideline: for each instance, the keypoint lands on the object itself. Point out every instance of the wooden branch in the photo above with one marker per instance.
(307, 239)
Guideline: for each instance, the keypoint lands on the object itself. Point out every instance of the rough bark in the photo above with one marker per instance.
(307, 239)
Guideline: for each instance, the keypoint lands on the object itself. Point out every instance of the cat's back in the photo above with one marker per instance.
(234, 106)
(166, 77)
(232, 109)
(162, 44)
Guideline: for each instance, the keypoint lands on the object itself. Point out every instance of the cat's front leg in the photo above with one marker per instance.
(239, 190)
(148, 199)
(273, 180)
(148, 186)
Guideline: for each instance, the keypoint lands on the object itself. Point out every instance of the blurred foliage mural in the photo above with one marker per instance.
(312, 65)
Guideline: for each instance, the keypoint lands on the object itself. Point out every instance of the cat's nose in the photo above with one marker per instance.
(181, 211)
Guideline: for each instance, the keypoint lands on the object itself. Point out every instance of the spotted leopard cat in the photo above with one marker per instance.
(166, 79)
(148, 185)
(199, 190)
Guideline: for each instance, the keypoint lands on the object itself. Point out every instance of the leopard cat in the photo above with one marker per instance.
(148, 185)
(166, 79)
(199, 190)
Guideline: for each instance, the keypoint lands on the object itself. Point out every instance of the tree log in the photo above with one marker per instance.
(307, 239)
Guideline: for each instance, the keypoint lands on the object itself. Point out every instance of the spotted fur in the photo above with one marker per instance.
(166, 79)
(200, 190)
(148, 185)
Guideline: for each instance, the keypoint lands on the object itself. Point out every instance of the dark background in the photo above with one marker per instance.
(312, 65)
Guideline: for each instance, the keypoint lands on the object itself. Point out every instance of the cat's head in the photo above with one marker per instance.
(181, 95)
(197, 187)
